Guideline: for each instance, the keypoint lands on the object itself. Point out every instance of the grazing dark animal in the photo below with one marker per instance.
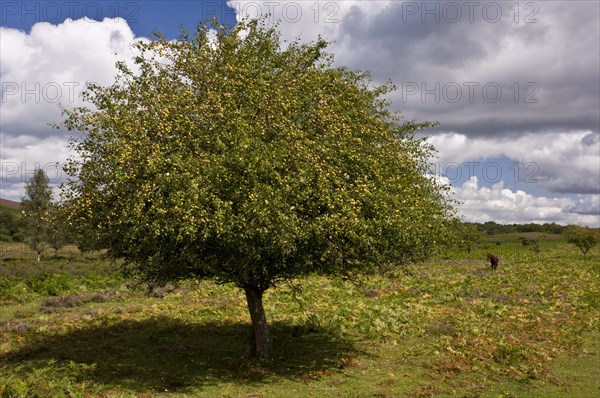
(494, 260)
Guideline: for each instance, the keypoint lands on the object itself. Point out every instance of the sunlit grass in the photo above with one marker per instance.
(445, 328)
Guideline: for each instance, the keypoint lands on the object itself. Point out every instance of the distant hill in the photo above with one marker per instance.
(9, 203)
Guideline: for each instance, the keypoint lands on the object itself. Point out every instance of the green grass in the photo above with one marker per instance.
(447, 328)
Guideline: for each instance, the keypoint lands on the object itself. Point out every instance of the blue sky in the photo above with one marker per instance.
(515, 86)
(143, 17)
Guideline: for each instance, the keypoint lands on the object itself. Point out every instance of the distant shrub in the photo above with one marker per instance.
(13, 289)
(70, 301)
(98, 281)
(584, 238)
(160, 291)
(509, 354)
(51, 304)
(50, 284)
(98, 297)
(371, 292)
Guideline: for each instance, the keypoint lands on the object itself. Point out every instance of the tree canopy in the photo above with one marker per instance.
(229, 157)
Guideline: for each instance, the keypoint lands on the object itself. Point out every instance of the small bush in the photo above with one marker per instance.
(160, 291)
(13, 289)
(70, 301)
(509, 354)
(97, 281)
(50, 284)
(54, 303)
(98, 297)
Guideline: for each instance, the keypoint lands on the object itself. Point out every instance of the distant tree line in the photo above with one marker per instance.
(467, 235)
(492, 228)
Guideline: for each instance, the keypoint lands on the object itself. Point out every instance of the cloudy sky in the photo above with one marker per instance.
(514, 85)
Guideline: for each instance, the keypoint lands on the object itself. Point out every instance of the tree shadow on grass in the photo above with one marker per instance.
(165, 354)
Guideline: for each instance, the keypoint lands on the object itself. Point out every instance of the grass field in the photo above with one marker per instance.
(69, 327)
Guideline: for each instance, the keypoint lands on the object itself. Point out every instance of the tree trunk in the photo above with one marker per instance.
(261, 343)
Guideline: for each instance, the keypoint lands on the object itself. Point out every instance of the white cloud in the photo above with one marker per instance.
(304, 19)
(588, 204)
(40, 70)
(563, 161)
(50, 66)
(502, 205)
(22, 155)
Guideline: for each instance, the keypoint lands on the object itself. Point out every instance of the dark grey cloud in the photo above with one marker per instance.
(591, 139)
(404, 41)
(545, 61)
